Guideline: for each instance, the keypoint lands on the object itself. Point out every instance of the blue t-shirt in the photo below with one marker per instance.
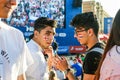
(78, 69)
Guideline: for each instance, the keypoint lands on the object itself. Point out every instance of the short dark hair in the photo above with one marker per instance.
(86, 20)
(43, 22)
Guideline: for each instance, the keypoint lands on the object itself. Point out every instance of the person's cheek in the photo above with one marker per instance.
(44, 38)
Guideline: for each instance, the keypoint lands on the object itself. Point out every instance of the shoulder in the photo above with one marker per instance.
(97, 49)
(100, 45)
(31, 45)
(9, 29)
(114, 53)
(93, 55)
(14, 30)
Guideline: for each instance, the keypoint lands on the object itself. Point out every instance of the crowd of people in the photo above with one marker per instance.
(38, 60)
(29, 10)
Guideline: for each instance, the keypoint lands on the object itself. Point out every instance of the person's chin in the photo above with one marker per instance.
(9, 14)
(6, 16)
(46, 47)
(82, 43)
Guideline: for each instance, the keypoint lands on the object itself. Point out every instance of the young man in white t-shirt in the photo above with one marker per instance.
(41, 40)
(14, 54)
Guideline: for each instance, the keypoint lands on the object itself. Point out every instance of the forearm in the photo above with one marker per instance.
(88, 77)
(70, 76)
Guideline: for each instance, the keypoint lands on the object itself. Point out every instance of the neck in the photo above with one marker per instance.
(92, 42)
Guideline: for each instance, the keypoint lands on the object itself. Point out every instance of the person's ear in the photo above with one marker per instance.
(90, 32)
(36, 34)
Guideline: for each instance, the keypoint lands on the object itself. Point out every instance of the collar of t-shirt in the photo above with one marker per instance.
(96, 45)
(39, 47)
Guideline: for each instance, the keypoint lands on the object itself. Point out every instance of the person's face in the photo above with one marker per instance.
(82, 35)
(7, 7)
(45, 37)
(75, 61)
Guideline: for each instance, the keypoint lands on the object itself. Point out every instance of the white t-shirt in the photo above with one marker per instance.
(38, 70)
(13, 52)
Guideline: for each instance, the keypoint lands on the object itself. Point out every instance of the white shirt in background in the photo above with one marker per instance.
(13, 52)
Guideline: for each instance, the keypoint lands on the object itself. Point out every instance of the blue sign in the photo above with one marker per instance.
(27, 31)
(107, 24)
(65, 36)
(63, 49)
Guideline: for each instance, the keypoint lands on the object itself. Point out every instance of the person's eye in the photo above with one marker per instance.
(47, 34)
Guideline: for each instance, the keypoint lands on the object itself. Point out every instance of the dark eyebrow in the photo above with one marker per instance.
(50, 32)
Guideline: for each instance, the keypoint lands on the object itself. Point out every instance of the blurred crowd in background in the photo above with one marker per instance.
(29, 10)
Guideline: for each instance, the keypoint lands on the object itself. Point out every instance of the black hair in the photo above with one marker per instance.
(86, 20)
(43, 22)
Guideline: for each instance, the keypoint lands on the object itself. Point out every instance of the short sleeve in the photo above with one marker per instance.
(91, 62)
(25, 56)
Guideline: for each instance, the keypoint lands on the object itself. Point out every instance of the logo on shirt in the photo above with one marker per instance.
(5, 55)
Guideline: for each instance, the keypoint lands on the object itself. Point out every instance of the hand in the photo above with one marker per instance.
(60, 63)
(49, 51)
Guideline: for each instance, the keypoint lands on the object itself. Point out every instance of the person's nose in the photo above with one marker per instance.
(13, 2)
(51, 37)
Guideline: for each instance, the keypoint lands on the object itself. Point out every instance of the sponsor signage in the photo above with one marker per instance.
(63, 49)
(77, 49)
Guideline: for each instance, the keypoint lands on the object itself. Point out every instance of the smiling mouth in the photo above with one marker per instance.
(8, 7)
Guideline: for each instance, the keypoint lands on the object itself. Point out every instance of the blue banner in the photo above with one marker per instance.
(107, 24)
